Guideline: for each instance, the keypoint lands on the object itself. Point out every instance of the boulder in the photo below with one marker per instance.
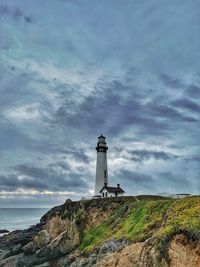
(29, 248)
(11, 261)
(41, 239)
(4, 253)
(61, 245)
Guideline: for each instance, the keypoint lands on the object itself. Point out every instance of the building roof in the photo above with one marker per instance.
(101, 136)
(185, 194)
(112, 189)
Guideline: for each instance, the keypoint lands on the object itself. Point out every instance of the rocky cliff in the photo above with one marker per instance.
(137, 231)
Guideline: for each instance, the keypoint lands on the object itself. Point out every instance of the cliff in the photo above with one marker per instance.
(142, 231)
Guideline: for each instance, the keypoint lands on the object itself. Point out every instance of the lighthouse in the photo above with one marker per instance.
(101, 165)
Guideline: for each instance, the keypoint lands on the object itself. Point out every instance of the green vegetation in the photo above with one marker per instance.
(65, 214)
(139, 220)
(183, 217)
(80, 216)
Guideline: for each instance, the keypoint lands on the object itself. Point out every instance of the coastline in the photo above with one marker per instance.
(12, 219)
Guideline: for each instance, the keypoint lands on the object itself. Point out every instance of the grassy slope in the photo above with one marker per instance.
(139, 220)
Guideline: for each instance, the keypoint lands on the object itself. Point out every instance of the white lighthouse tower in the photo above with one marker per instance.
(101, 165)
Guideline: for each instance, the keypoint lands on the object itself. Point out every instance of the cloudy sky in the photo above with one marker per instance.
(73, 69)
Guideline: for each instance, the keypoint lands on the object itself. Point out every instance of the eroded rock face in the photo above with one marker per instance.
(184, 253)
(128, 256)
(41, 239)
(64, 243)
(55, 226)
(99, 215)
(120, 254)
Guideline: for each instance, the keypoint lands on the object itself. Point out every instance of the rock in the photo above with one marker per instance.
(4, 253)
(128, 256)
(184, 253)
(41, 239)
(68, 201)
(30, 261)
(63, 262)
(55, 226)
(11, 261)
(112, 246)
(16, 249)
(46, 264)
(4, 231)
(29, 248)
(62, 244)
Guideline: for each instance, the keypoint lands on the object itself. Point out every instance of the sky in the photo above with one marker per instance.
(73, 69)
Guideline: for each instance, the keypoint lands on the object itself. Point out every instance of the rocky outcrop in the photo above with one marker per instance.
(12, 244)
(184, 252)
(4, 231)
(118, 232)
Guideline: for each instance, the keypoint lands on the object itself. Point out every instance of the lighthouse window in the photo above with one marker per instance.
(106, 194)
(105, 173)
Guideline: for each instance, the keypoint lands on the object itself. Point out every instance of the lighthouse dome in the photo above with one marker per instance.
(101, 139)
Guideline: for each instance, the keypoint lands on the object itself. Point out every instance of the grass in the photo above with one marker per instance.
(139, 220)
(183, 217)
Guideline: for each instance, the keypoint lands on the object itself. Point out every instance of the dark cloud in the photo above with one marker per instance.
(140, 155)
(171, 82)
(49, 178)
(110, 111)
(79, 154)
(136, 177)
(186, 103)
(193, 159)
(170, 113)
(194, 91)
(11, 137)
(28, 19)
(3, 10)
(141, 183)
(174, 181)
(15, 13)
(136, 182)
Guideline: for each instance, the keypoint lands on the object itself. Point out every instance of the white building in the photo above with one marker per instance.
(102, 188)
(183, 195)
(101, 166)
(110, 191)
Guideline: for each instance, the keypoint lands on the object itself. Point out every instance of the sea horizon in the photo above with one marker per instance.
(12, 219)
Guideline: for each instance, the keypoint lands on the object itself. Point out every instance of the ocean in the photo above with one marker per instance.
(20, 218)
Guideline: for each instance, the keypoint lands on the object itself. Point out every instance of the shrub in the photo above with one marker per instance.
(79, 216)
(65, 214)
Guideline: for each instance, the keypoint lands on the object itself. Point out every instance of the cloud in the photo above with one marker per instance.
(194, 91)
(53, 177)
(171, 82)
(11, 137)
(135, 182)
(187, 104)
(15, 13)
(120, 71)
(174, 180)
(142, 155)
(119, 107)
